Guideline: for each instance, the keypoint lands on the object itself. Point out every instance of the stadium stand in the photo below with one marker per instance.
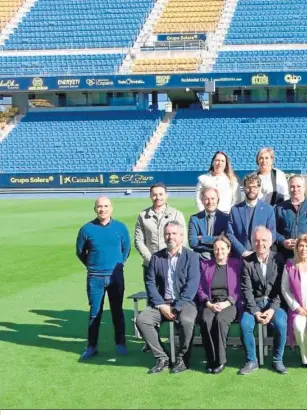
(69, 141)
(185, 16)
(7, 116)
(267, 22)
(59, 64)
(195, 135)
(7, 10)
(262, 60)
(166, 65)
(61, 24)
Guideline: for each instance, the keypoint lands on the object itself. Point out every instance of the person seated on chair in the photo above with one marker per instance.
(294, 290)
(171, 284)
(245, 216)
(207, 225)
(261, 293)
(219, 297)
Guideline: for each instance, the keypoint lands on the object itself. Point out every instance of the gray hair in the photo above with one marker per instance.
(297, 176)
(174, 223)
(204, 189)
(261, 228)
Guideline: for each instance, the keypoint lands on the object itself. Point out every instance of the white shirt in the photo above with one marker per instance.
(229, 192)
(263, 265)
(267, 186)
(288, 296)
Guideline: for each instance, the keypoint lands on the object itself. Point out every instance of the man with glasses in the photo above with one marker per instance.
(247, 215)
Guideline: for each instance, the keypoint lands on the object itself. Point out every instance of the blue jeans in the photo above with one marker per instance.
(279, 323)
(96, 290)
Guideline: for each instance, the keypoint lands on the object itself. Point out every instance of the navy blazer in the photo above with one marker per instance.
(238, 232)
(198, 226)
(187, 276)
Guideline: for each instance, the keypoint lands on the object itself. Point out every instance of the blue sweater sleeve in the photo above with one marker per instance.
(126, 243)
(81, 249)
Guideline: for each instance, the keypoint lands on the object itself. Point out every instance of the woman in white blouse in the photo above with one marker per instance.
(294, 290)
(221, 177)
(274, 185)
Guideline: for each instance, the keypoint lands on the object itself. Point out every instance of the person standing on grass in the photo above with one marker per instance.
(149, 228)
(103, 246)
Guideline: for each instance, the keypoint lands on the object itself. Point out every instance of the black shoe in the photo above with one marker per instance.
(179, 366)
(161, 364)
(279, 367)
(218, 370)
(304, 365)
(209, 369)
(249, 368)
(146, 348)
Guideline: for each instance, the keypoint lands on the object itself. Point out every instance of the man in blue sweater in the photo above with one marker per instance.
(103, 246)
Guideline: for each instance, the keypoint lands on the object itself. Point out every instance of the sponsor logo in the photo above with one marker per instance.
(162, 80)
(90, 179)
(9, 84)
(130, 81)
(260, 79)
(32, 179)
(68, 83)
(114, 179)
(38, 85)
(99, 82)
(292, 79)
(136, 179)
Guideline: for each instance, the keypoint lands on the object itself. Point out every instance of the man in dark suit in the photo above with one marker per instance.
(261, 291)
(245, 216)
(205, 226)
(171, 284)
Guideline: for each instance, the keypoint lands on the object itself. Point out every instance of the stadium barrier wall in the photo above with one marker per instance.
(104, 180)
(141, 82)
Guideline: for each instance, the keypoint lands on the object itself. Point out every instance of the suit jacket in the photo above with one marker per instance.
(187, 276)
(207, 270)
(239, 233)
(255, 286)
(198, 226)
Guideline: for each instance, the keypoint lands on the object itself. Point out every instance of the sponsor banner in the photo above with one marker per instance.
(165, 81)
(182, 37)
(106, 180)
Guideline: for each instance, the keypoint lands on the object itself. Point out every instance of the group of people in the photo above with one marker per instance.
(248, 261)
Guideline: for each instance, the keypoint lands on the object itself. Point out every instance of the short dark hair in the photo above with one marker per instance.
(158, 185)
(252, 177)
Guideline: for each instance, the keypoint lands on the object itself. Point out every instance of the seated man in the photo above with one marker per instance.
(171, 284)
(261, 292)
(245, 216)
(207, 225)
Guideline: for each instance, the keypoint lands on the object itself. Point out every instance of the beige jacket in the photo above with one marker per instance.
(149, 232)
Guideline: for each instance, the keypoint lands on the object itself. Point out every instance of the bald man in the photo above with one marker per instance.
(103, 246)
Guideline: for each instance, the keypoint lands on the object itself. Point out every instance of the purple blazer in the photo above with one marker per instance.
(233, 269)
(295, 288)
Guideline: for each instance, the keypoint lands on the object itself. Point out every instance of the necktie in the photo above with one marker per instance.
(210, 220)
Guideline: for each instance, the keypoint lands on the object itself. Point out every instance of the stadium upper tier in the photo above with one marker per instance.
(7, 10)
(61, 24)
(261, 60)
(268, 21)
(59, 64)
(77, 141)
(194, 136)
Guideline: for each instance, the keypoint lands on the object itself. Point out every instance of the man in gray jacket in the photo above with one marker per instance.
(149, 229)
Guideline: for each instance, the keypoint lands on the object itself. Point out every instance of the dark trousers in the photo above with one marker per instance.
(214, 328)
(96, 290)
(149, 320)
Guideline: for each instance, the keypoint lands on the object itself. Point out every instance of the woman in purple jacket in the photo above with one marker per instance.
(294, 290)
(219, 298)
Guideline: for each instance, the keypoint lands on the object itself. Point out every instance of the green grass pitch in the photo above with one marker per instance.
(43, 325)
